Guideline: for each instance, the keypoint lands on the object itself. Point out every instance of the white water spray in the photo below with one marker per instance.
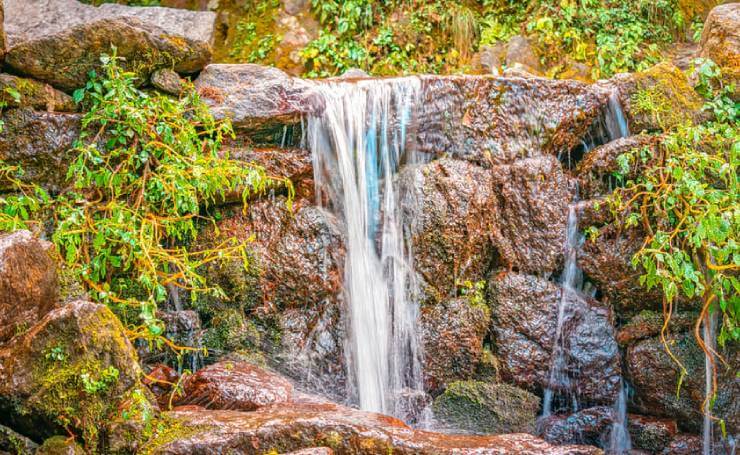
(358, 143)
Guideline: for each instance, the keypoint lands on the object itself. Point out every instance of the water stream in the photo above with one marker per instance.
(358, 143)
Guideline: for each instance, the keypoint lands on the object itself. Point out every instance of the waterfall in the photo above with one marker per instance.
(619, 439)
(709, 336)
(358, 143)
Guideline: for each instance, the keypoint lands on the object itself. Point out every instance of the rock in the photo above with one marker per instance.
(486, 408)
(296, 258)
(489, 59)
(648, 324)
(590, 426)
(161, 380)
(256, 97)
(28, 282)
(654, 376)
(354, 73)
(60, 445)
(3, 40)
(519, 50)
(168, 81)
(684, 444)
(40, 143)
(294, 7)
(596, 170)
(525, 310)
(531, 211)
(236, 386)
(576, 70)
(657, 99)
(519, 70)
(454, 331)
(296, 32)
(14, 443)
(294, 426)
(74, 369)
(720, 40)
(313, 451)
(450, 204)
(34, 95)
(651, 434)
(293, 164)
(61, 41)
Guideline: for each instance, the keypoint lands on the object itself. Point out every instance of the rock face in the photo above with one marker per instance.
(238, 386)
(720, 39)
(168, 81)
(28, 282)
(293, 164)
(591, 426)
(449, 203)
(60, 41)
(285, 428)
(524, 324)
(531, 210)
(520, 51)
(34, 95)
(2, 32)
(76, 368)
(453, 333)
(40, 143)
(14, 443)
(654, 376)
(486, 408)
(651, 434)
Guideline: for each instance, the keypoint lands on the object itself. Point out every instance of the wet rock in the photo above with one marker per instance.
(525, 310)
(291, 427)
(292, 164)
(28, 282)
(590, 426)
(34, 95)
(161, 380)
(2, 33)
(168, 81)
(596, 170)
(40, 143)
(75, 367)
(255, 97)
(60, 445)
(576, 70)
(655, 376)
(519, 50)
(491, 120)
(648, 324)
(60, 41)
(449, 202)
(657, 99)
(14, 443)
(236, 386)
(651, 434)
(489, 59)
(720, 39)
(684, 444)
(354, 73)
(531, 211)
(313, 451)
(486, 408)
(453, 331)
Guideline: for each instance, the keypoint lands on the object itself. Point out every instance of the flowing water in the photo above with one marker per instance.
(358, 143)
(709, 336)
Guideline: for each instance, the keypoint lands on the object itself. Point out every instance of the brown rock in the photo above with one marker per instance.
(313, 451)
(720, 39)
(453, 331)
(525, 310)
(168, 81)
(589, 426)
(28, 282)
(648, 324)
(531, 211)
(2, 33)
(14, 443)
(684, 444)
(291, 164)
(346, 431)
(237, 386)
(60, 445)
(161, 380)
(488, 60)
(34, 95)
(519, 50)
(651, 434)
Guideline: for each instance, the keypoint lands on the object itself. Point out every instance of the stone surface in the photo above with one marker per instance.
(238, 386)
(720, 39)
(34, 95)
(28, 282)
(40, 143)
(519, 50)
(60, 445)
(313, 451)
(531, 211)
(486, 408)
(161, 380)
(292, 427)
(654, 376)
(524, 322)
(589, 426)
(60, 41)
(42, 374)
(3, 40)
(489, 59)
(650, 434)
(453, 331)
(293, 164)
(14, 443)
(684, 444)
(168, 81)
(648, 324)
(449, 203)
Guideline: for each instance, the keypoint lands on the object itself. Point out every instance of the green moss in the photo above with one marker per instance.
(60, 445)
(169, 429)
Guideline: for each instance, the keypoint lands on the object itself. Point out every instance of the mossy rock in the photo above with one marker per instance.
(488, 408)
(60, 445)
(21, 92)
(14, 443)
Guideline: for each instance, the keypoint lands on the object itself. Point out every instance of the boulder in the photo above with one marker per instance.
(60, 445)
(648, 324)
(452, 334)
(657, 99)
(238, 386)
(290, 164)
(3, 40)
(489, 59)
(486, 408)
(313, 451)
(284, 428)
(14, 443)
(525, 311)
(39, 143)
(531, 213)
(61, 41)
(449, 204)
(654, 376)
(519, 50)
(650, 434)
(34, 95)
(28, 282)
(684, 444)
(161, 380)
(74, 369)
(720, 39)
(590, 426)
(168, 81)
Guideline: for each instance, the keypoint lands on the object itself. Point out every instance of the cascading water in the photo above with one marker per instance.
(358, 142)
(709, 337)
